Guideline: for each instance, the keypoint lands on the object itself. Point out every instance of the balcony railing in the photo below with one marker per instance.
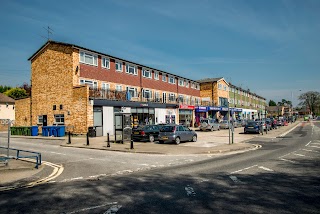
(124, 96)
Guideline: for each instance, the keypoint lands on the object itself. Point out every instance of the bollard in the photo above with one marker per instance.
(261, 128)
(108, 145)
(69, 138)
(87, 138)
(131, 144)
(266, 128)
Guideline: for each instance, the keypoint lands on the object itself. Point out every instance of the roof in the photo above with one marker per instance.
(100, 53)
(246, 90)
(5, 99)
(210, 80)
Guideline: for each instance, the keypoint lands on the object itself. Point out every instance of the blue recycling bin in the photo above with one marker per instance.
(45, 131)
(60, 131)
(34, 130)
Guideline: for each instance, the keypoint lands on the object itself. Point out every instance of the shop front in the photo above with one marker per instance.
(224, 113)
(200, 112)
(213, 111)
(236, 113)
(186, 115)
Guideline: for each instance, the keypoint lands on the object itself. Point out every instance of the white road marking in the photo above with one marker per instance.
(310, 150)
(190, 191)
(308, 143)
(234, 179)
(284, 134)
(240, 170)
(316, 143)
(57, 153)
(315, 147)
(78, 178)
(113, 209)
(91, 208)
(298, 154)
(288, 160)
(265, 168)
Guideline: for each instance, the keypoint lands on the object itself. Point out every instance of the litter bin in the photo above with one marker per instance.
(34, 130)
(92, 131)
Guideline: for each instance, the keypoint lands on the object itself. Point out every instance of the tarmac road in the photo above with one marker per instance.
(281, 177)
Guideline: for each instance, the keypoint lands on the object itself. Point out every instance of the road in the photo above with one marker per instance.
(281, 177)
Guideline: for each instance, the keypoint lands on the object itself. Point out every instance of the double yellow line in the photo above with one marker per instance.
(57, 170)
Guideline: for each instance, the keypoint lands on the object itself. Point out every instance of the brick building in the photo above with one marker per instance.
(80, 88)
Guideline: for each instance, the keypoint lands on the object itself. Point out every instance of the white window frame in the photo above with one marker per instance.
(147, 73)
(129, 67)
(172, 97)
(198, 86)
(181, 98)
(156, 75)
(225, 87)
(170, 78)
(59, 119)
(105, 86)
(117, 64)
(193, 85)
(90, 83)
(181, 82)
(164, 78)
(105, 62)
(132, 89)
(147, 91)
(187, 84)
(219, 86)
(40, 119)
(157, 95)
(118, 87)
(83, 55)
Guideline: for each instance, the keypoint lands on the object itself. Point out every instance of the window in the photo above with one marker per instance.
(172, 97)
(223, 101)
(187, 99)
(197, 101)
(131, 69)
(156, 75)
(40, 119)
(105, 86)
(187, 84)
(132, 91)
(180, 98)
(219, 86)
(181, 82)
(88, 58)
(105, 63)
(197, 86)
(147, 93)
(61, 106)
(193, 85)
(118, 66)
(91, 84)
(59, 118)
(54, 107)
(172, 80)
(118, 87)
(164, 78)
(146, 73)
(225, 87)
(157, 96)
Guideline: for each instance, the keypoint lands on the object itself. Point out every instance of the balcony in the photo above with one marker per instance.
(124, 96)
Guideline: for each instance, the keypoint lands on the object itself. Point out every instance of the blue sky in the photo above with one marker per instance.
(270, 47)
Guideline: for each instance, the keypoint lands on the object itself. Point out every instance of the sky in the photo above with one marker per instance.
(270, 47)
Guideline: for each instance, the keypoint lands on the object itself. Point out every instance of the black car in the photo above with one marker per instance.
(146, 133)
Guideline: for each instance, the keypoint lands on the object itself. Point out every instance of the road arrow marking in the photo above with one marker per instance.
(113, 209)
(234, 179)
(265, 168)
(190, 191)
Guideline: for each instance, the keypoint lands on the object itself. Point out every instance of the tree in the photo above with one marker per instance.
(16, 93)
(310, 99)
(26, 87)
(272, 103)
(4, 88)
(285, 102)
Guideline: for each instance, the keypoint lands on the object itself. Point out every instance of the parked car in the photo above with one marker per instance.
(177, 134)
(224, 124)
(243, 122)
(268, 124)
(209, 124)
(279, 123)
(237, 124)
(252, 127)
(147, 132)
(263, 123)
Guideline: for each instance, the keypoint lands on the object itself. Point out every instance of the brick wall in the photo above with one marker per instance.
(22, 111)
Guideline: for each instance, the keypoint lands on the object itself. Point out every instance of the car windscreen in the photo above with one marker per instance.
(167, 129)
(252, 123)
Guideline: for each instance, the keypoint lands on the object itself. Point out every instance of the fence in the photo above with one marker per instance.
(19, 153)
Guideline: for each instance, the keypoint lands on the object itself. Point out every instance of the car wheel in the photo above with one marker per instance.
(161, 141)
(177, 140)
(212, 129)
(194, 138)
(151, 138)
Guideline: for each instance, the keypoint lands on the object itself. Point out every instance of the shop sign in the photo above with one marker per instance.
(224, 109)
(201, 109)
(214, 108)
(186, 107)
(236, 109)
(144, 105)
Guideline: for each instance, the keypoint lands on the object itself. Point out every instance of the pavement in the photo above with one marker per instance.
(22, 173)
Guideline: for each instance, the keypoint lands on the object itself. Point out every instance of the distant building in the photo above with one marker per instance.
(7, 111)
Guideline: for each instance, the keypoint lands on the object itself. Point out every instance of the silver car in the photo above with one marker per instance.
(209, 124)
(177, 134)
(224, 124)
